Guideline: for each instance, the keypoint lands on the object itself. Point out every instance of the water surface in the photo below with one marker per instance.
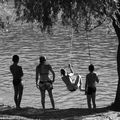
(29, 44)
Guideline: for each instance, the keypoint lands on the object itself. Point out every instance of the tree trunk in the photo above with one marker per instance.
(116, 104)
(117, 98)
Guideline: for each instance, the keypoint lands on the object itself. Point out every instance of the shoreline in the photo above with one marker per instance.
(25, 113)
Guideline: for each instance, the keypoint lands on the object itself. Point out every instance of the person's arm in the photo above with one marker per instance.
(21, 72)
(97, 80)
(53, 73)
(10, 69)
(71, 70)
(37, 74)
(86, 86)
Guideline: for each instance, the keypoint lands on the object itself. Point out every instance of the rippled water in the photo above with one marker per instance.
(29, 44)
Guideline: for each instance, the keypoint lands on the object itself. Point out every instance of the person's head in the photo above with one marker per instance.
(42, 59)
(62, 71)
(91, 68)
(15, 58)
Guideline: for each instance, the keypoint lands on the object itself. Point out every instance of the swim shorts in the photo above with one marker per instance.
(16, 82)
(91, 90)
(47, 85)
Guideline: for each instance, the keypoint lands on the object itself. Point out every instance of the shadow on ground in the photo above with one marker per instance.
(34, 113)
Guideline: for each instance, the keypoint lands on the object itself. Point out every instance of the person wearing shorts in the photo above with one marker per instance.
(45, 83)
(90, 86)
(72, 81)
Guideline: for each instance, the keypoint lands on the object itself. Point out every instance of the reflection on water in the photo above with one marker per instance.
(29, 44)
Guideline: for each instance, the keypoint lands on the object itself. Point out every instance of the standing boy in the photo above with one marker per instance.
(17, 73)
(90, 86)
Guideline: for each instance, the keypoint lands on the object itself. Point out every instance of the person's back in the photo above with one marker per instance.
(16, 72)
(91, 79)
(43, 70)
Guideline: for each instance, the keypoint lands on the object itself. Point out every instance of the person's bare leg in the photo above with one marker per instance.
(93, 100)
(43, 98)
(89, 101)
(16, 96)
(20, 94)
(51, 98)
(78, 81)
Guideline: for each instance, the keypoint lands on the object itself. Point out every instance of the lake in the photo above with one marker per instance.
(60, 50)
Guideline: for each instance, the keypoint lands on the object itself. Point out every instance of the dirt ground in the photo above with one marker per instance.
(9, 113)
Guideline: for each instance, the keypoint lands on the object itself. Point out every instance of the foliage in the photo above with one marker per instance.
(77, 13)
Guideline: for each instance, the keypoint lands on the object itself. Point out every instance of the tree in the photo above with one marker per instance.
(116, 25)
(87, 14)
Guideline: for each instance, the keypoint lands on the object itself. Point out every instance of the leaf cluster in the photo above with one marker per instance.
(77, 13)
